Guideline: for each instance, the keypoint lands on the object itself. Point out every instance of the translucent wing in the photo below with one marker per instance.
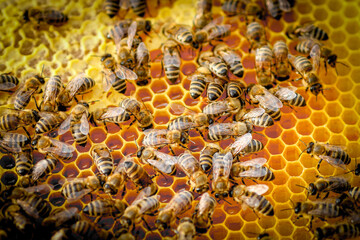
(64, 147)
(39, 169)
(146, 207)
(222, 167)
(204, 203)
(228, 160)
(84, 125)
(315, 54)
(9, 144)
(177, 108)
(323, 212)
(51, 91)
(131, 34)
(214, 22)
(125, 73)
(259, 189)
(284, 93)
(112, 112)
(231, 57)
(7, 85)
(254, 172)
(213, 59)
(241, 142)
(24, 95)
(144, 193)
(166, 157)
(74, 85)
(155, 131)
(165, 167)
(269, 101)
(65, 125)
(142, 53)
(337, 148)
(256, 112)
(335, 162)
(215, 34)
(284, 5)
(254, 162)
(216, 108)
(222, 129)
(109, 79)
(172, 59)
(28, 208)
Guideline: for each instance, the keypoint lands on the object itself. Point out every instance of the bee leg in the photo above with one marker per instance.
(311, 220)
(107, 130)
(132, 123)
(97, 219)
(37, 107)
(254, 181)
(172, 151)
(200, 133)
(318, 166)
(76, 100)
(27, 133)
(242, 180)
(256, 214)
(327, 194)
(123, 191)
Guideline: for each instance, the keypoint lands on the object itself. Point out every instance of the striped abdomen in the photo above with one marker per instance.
(184, 36)
(85, 229)
(197, 87)
(218, 68)
(347, 230)
(139, 7)
(342, 155)
(55, 18)
(231, 7)
(79, 138)
(252, 147)
(148, 205)
(274, 8)
(119, 85)
(88, 83)
(23, 162)
(275, 115)
(104, 164)
(41, 206)
(254, 31)
(263, 206)
(21, 101)
(49, 123)
(52, 89)
(264, 120)
(8, 81)
(305, 46)
(9, 122)
(44, 167)
(125, 116)
(221, 31)
(99, 207)
(181, 123)
(215, 133)
(298, 101)
(172, 72)
(237, 68)
(112, 7)
(265, 173)
(205, 158)
(355, 193)
(72, 189)
(302, 64)
(16, 140)
(214, 91)
(317, 33)
(137, 174)
(235, 89)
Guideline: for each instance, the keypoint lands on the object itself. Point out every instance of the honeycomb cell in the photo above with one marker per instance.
(357, 91)
(9, 178)
(98, 135)
(145, 94)
(84, 161)
(250, 228)
(236, 235)
(318, 118)
(353, 42)
(332, 94)
(287, 121)
(129, 135)
(273, 131)
(180, 184)
(114, 142)
(218, 232)
(352, 133)
(294, 169)
(275, 26)
(289, 137)
(336, 20)
(354, 59)
(7, 162)
(160, 102)
(301, 113)
(232, 209)
(234, 223)
(352, 27)
(291, 153)
(321, 134)
(316, 103)
(293, 184)
(277, 162)
(286, 228)
(56, 199)
(333, 109)
(175, 93)
(158, 86)
(248, 215)
(188, 68)
(161, 118)
(304, 128)
(301, 233)
(335, 125)
(70, 171)
(304, 8)
(275, 146)
(218, 216)
(309, 175)
(320, 14)
(86, 148)
(280, 178)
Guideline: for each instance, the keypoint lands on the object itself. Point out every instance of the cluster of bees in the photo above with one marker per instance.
(220, 70)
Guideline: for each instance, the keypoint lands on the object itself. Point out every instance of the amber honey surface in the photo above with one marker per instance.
(74, 47)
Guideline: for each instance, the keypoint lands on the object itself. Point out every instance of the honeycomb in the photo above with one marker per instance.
(72, 48)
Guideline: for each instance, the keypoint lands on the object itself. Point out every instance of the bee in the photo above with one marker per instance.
(221, 131)
(241, 143)
(177, 205)
(203, 14)
(84, 229)
(140, 112)
(120, 30)
(233, 7)
(231, 58)
(215, 89)
(77, 121)
(49, 121)
(241, 7)
(252, 169)
(44, 167)
(8, 81)
(271, 104)
(162, 137)
(355, 193)
(264, 236)
(52, 89)
(115, 74)
(288, 96)
(256, 35)
(25, 92)
(308, 30)
(235, 89)
(61, 217)
(143, 67)
(203, 211)
(163, 162)
(115, 115)
(103, 159)
(112, 7)
(78, 85)
(103, 207)
(340, 231)
(256, 116)
(214, 64)
(282, 66)
(49, 16)
(79, 187)
(199, 79)
(138, 7)
(178, 32)
(134, 213)
(225, 107)
(252, 197)
(276, 7)
(13, 142)
(333, 154)
(171, 60)
(186, 229)
(206, 156)
(327, 185)
(125, 48)
(253, 147)
(13, 119)
(12, 212)
(264, 62)
(115, 181)
(191, 167)
(47, 145)
(23, 161)
(221, 170)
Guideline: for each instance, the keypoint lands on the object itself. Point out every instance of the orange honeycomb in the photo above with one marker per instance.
(70, 49)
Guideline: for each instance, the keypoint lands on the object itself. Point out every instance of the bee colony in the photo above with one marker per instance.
(235, 128)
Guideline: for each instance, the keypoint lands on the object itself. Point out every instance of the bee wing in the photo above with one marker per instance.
(215, 34)
(131, 34)
(254, 162)
(39, 169)
(144, 193)
(216, 108)
(222, 128)
(84, 125)
(223, 167)
(157, 131)
(78, 194)
(284, 93)
(112, 112)
(213, 59)
(7, 85)
(241, 142)
(50, 92)
(141, 53)
(29, 209)
(24, 95)
(163, 166)
(269, 101)
(9, 144)
(214, 22)
(256, 112)
(335, 147)
(172, 60)
(177, 108)
(254, 172)
(74, 85)
(335, 162)
(230, 57)
(65, 125)
(259, 189)
(204, 203)
(321, 211)
(284, 5)
(109, 79)
(145, 207)
(315, 54)
(64, 147)
(171, 160)
(125, 73)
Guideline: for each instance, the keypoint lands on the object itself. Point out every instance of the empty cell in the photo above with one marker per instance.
(316, 102)
(344, 84)
(347, 100)
(335, 125)
(353, 43)
(9, 178)
(275, 146)
(276, 162)
(26, 47)
(301, 113)
(280, 178)
(320, 14)
(294, 169)
(267, 223)
(336, 21)
(354, 59)
(285, 228)
(307, 161)
(234, 223)
(289, 137)
(273, 131)
(309, 175)
(318, 118)
(56, 199)
(352, 27)
(293, 184)
(304, 127)
(218, 216)
(291, 153)
(355, 74)
(301, 233)
(338, 139)
(353, 149)
(333, 109)
(250, 228)
(235, 235)
(338, 36)
(334, 5)
(303, 8)
(332, 94)
(218, 232)
(321, 134)
(326, 169)
(7, 162)
(352, 133)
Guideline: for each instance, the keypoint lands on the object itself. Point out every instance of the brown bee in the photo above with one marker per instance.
(256, 35)
(225, 107)
(49, 16)
(13, 119)
(78, 85)
(221, 131)
(329, 184)
(76, 188)
(124, 234)
(163, 162)
(235, 89)
(199, 79)
(231, 58)
(23, 161)
(85, 229)
(46, 145)
(77, 121)
(288, 96)
(115, 115)
(143, 65)
(163, 137)
(221, 171)
(125, 48)
(338, 231)
(252, 169)
(121, 29)
(214, 64)
(177, 205)
(264, 62)
(61, 217)
(52, 89)
(44, 167)
(13, 142)
(115, 181)
(203, 14)
(282, 66)
(206, 156)
(256, 116)
(139, 111)
(203, 211)
(186, 229)
(171, 60)
(252, 197)
(241, 7)
(308, 30)
(276, 7)
(49, 121)
(103, 207)
(112, 7)
(178, 32)
(138, 7)
(31, 86)
(11, 212)
(8, 82)
(103, 159)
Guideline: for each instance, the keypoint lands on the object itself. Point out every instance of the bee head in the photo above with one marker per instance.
(140, 152)
(297, 208)
(332, 60)
(40, 78)
(147, 26)
(312, 189)
(195, 44)
(26, 16)
(36, 115)
(35, 141)
(316, 88)
(105, 56)
(221, 195)
(184, 138)
(310, 147)
(262, 235)
(126, 222)
(85, 104)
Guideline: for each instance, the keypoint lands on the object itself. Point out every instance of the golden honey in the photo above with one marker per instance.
(74, 47)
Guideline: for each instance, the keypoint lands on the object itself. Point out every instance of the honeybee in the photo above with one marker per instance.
(240, 144)
(103, 159)
(225, 107)
(191, 167)
(233, 7)
(215, 89)
(120, 30)
(138, 208)
(112, 7)
(115, 181)
(13, 142)
(177, 205)
(171, 60)
(125, 48)
(11, 212)
(333, 154)
(110, 114)
(355, 193)
(49, 121)
(276, 7)
(221, 170)
(8, 81)
(252, 197)
(206, 156)
(288, 96)
(264, 62)
(138, 7)
(221, 131)
(77, 188)
(103, 207)
(77, 121)
(13, 119)
(162, 137)
(141, 113)
(256, 35)
(143, 65)
(339, 231)
(252, 169)
(23, 161)
(115, 74)
(214, 64)
(88, 230)
(203, 211)
(199, 79)
(186, 229)
(47, 15)
(308, 30)
(256, 116)
(327, 185)
(253, 147)
(282, 66)
(243, 7)
(61, 217)
(178, 32)
(203, 14)
(52, 89)
(231, 58)
(44, 167)
(235, 89)
(163, 162)
(25, 92)
(78, 85)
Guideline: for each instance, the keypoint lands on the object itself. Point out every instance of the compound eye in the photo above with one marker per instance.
(225, 195)
(217, 195)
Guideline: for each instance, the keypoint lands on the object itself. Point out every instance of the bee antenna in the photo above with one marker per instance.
(302, 152)
(303, 142)
(42, 70)
(260, 134)
(95, 56)
(286, 209)
(227, 201)
(343, 64)
(137, 145)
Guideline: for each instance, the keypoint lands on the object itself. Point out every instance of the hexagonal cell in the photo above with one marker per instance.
(232, 209)
(114, 142)
(293, 184)
(180, 184)
(144, 94)
(309, 175)
(275, 26)
(303, 8)
(320, 14)
(291, 153)
(333, 109)
(336, 21)
(281, 178)
(352, 27)
(275, 146)
(218, 216)
(97, 135)
(248, 215)
(7, 162)
(290, 137)
(273, 131)
(332, 94)
(338, 36)
(301, 233)
(158, 86)
(303, 127)
(9, 178)
(349, 117)
(294, 169)
(335, 125)
(287, 121)
(130, 135)
(318, 118)
(321, 134)
(161, 118)
(354, 58)
(56, 199)
(164, 181)
(236, 235)
(352, 133)
(218, 232)
(326, 169)
(160, 102)
(250, 228)
(188, 68)
(70, 171)
(175, 93)
(84, 161)
(86, 148)
(234, 223)
(316, 103)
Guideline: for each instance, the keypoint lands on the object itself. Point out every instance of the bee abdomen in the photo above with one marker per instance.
(23, 162)
(214, 91)
(237, 69)
(205, 162)
(70, 190)
(88, 83)
(79, 138)
(55, 18)
(43, 208)
(264, 120)
(112, 7)
(275, 115)
(219, 69)
(254, 146)
(318, 34)
(177, 123)
(105, 165)
(347, 230)
(119, 119)
(234, 89)
(21, 103)
(119, 85)
(172, 73)
(264, 206)
(6, 78)
(197, 87)
(139, 7)
(9, 122)
(355, 193)
(231, 7)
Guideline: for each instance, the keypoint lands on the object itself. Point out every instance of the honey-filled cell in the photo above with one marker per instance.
(7, 162)
(84, 161)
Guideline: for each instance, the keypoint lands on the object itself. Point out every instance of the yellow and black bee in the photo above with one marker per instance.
(112, 7)
(255, 33)
(26, 91)
(13, 119)
(308, 30)
(49, 16)
(180, 33)
(13, 142)
(214, 64)
(288, 95)
(221, 171)
(85, 229)
(171, 60)
(282, 66)
(221, 131)
(204, 210)
(8, 81)
(52, 89)
(206, 156)
(231, 58)
(79, 187)
(338, 231)
(203, 14)
(104, 207)
(252, 169)
(256, 116)
(49, 121)
(264, 62)
(103, 159)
